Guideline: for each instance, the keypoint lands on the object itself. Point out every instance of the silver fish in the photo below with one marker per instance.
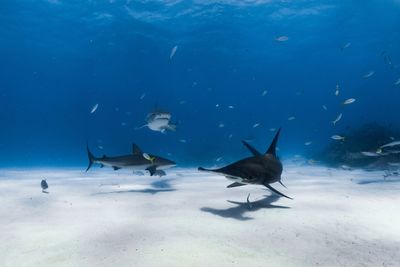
(394, 143)
(349, 101)
(173, 51)
(369, 74)
(338, 118)
(94, 108)
(338, 137)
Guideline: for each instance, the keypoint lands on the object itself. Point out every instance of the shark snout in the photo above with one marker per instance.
(165, 163)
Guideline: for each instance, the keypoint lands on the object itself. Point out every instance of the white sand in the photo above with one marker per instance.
(337, 218)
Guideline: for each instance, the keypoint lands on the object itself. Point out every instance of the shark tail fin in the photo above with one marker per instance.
(272, 148)
(90, 157)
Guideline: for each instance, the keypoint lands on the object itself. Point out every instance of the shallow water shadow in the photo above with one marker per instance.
(379, 181)
(238, 212)
(160, 186)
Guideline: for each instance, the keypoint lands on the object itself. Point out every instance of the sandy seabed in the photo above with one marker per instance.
(188, 218)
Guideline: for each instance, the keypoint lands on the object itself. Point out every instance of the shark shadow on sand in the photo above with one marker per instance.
(161, 186)
(238, 212)
(379, 181)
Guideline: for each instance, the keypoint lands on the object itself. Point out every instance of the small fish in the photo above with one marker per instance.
(123, 124)
(394, 164)
(256, 125)
(218, 159)
(338, 118)
(369, 74)
(231, 107)
(337, 90)
(282, 38)
(308, 143)
(142, 96)
(230, 136)
(291, 118)
(272, 129)
(349, 101)
(182, 102)
(338, 137)
(324, 107)
(312, 162)
(392, 138)
(221, 125)
(182, 140)
(194, 84)
(101, 147)
(217, 105)
(266, 92)
(147, 156)
(397, 82)
(173, 51)
(394, 143)
(94, 108)
(346, 45)
(370, 154)
(44, 186)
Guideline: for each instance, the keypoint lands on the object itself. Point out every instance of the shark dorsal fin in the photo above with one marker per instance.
(136, 150)
(252, 149)
(272, 148)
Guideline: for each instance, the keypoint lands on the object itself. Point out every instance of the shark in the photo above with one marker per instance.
(135, 161)
(159, 121)
(259, 169)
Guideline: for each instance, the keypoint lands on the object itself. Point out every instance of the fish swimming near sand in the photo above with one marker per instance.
(159, 121)
(391, 144)
(259, 169)
(44, 186)
(370, 154)
(136, 161)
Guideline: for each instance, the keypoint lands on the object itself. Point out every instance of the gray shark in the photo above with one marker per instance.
(135, 161)
(263, 169)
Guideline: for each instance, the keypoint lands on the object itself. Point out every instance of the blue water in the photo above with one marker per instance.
(59, 58)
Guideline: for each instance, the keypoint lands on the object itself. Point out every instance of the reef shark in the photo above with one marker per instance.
(261, 169)
(135, 161)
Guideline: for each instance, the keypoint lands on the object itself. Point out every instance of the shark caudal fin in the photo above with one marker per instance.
(90, 157)
(272, 148)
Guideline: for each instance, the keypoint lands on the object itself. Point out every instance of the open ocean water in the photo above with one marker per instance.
(239, 70)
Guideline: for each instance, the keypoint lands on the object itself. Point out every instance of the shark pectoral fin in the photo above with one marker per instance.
(276, 191)
(101, 165)
(235, 184)
(152, 169)
(116, 168)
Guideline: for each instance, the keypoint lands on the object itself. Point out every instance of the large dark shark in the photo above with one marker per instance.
(135, 161)
(263, 169)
